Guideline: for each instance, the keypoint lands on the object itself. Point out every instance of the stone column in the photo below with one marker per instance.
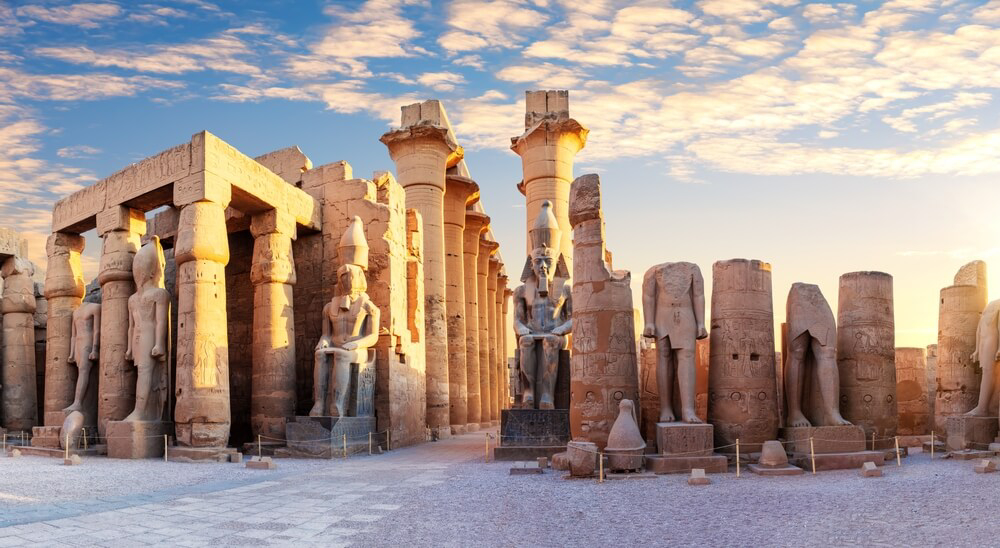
(742, 380)
(486, 250)
(202, 414)
(476, 224)
(422, 153)
(911, 391)
(17, 372)
(64, 290)
(491, 319)
(272, 401)
(460, 192)
(501, 364)
(503, 344)
(121, 228)
(957, 377)
(547, 148)
(931, 373)
(866, 354)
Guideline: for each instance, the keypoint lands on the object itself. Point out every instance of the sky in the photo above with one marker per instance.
(820, 137)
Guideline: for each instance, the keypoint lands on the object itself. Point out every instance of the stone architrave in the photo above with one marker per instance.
(17, 372)
(64, 290)
(486, 250)
(202, 415)
(958, 378)
(491, 316)
(603, 361)
(148, 333)
(742, 383)
(866, 352)
(911, 392)
(120, 227)
(547, 148)
(931, 373)
(475, 224)
(422, 150)
(460, 193)
(272, 273)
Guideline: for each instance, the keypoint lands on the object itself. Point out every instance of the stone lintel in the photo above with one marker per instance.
(122, 218)
(12, 244)
(272, 221)
(202, 187)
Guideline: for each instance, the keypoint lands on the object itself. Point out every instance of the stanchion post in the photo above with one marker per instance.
(600, 468)
(737, 457)
(899, 461)
(932, 445)
(67, 446)
(873, 440)
(345, 446)
(487, 458)
(812, 454)
(388, 440)
(369, 443)
(165, 445)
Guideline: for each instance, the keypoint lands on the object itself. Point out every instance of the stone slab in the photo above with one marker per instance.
(261, 463)
(713, 464)
(698, 477)
(46, 436)
(526, 452)
(970, 432)
(826, 439)
(524, 468)
(839, 461)
(985, 466)
(786, 470)
(870, 470)
(683, 439)
(30, 451)
(136, 440)
(323, 437)
(203, 454)
(970, 454)
(530, 427)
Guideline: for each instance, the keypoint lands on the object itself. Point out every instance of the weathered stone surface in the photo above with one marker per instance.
(660, 464)
(931, 383)
(18, 372)
(527, 427)
(325, 437)
(582, 457)
(475, 224)
(649, 397)
(839, 461)
(682, 439)
(288, 163)
(965, 432)
(64, 291)
(494, 357)
(460, 192)
(911, 392)
(742, 399)
(958, 378)
(870, 470)
(487, 248)
(866, 352)
(825, 439)
(985, 466)
(148, 325)
(136, 439)
(625, 444)
(261, 463)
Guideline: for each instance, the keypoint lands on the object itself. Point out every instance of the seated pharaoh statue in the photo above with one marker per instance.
(542, 312)
(148, 332)
(350, 329)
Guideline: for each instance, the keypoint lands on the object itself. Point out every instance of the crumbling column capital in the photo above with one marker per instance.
(121, 218)
(488, 248)
(64, 275)
(202, 234)
(550, 131)
(422, 153)
(460, 193)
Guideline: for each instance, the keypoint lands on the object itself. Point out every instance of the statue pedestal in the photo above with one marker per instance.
(323, 437)
(136, 440)
(46, 436)
(526, 434)
(836, 447)
(45, 442)
(976, 433)
(683, 447)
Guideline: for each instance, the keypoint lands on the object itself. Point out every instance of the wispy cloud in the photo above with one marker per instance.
(84, 14)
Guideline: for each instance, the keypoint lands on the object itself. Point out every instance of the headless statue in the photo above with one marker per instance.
(350, 328)
(543, 312)
(811, 329)
(148, 324)
(673, 303)
(987, 354)
(85, 339)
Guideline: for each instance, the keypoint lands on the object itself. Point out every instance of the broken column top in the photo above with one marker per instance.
(542, 104)
(973, 273)
(12, 244)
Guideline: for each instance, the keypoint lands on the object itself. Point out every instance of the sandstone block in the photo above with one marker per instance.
(136, 440)
(73, 460)
(698, 477)
(261, 463)
(970, 432)
(986, 466)
(825, 439)
(869, 470)
(582, 457)
(678, 438)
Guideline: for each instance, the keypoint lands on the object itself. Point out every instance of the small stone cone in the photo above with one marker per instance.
(625, 435)
(773, 454)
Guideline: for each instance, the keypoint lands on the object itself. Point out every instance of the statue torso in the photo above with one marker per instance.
(348, 324)
(548, 312)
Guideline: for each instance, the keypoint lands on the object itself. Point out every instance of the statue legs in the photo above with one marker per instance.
(82, 383)
(794, 379)
(321, 382)
(829, 383)
(527, 346)
(551, 345)
(342, 360)
(826, 373)
(147, 402)
(680, 363)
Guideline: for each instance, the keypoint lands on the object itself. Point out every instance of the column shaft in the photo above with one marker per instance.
(486, 249)
(17, 372)
(491, 295)
(475, 224)
(64, 290)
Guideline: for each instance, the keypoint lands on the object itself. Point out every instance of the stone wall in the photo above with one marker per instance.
(239, 307)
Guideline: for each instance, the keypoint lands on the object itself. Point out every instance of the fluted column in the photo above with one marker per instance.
(422, 153)
(486, 250)
(491, 296)
(460, 192)
(503, 333)
(202, 416)
(64, 290)
(475, 224)
(17, 372)
(120, 227)
(272, 400)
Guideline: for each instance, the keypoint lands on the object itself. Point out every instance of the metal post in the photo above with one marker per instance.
(899, 462)
(737, 457)
(812, 452)
(165, 448)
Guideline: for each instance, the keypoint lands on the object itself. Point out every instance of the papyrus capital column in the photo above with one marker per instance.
(507, 292)
(202, 414)
(486, 250)
(120, 227)
(491, 319)
(422, 151)
(272, 273)
(547, 149)
(64, 290)
(17, 372)
(501, 350)
(460, 192)
(475, 224)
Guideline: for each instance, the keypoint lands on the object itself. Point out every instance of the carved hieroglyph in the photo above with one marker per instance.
(958, 378)
(17, 372)
(603, 362)
(911, 392)
(148, 333)
(866, 350)
(742, 401)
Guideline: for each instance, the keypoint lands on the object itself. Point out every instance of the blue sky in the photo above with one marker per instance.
(822, 137)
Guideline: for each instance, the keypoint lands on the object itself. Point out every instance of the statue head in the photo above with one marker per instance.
(351, 280)
(353, 251)
(148, 264)
(545, 261)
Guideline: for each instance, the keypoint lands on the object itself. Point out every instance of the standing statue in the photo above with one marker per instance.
(987, 354)
(811, 328)
(85, 340)
(673, 303)
(543, 311)
(350, 326)
(148, 326)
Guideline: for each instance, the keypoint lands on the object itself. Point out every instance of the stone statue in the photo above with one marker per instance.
(148, 326)
(543, 311)
(673, 303)
(350, 326)
(811, 329)
(85, 340)
(987, 354)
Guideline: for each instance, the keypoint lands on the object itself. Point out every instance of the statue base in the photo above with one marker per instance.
(683, 447)
(778, 470)
(136, 440)
(46, 436)
(526, 434)
(838, 461)
(324, 437)
(825, 439)
(970, 432)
